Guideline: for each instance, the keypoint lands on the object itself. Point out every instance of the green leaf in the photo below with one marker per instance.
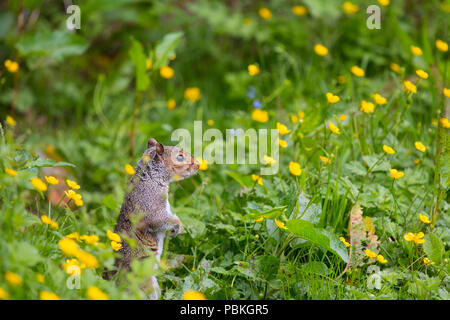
(194, 227)
(25, 254)
(138, 57)
(166, 48)
(110, 202)
(305, 230)
(267, 267)
(40, 162)
(246, 181)
(55, 45)
(433, 247)
(271, 213)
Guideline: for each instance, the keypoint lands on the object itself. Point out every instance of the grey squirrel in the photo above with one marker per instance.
(148, 197)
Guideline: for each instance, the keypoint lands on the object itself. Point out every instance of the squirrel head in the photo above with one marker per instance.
(169, 163)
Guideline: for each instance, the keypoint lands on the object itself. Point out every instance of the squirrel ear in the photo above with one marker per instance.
(159, 149)
(151, 143)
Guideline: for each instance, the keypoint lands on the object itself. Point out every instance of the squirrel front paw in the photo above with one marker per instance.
(175, 227)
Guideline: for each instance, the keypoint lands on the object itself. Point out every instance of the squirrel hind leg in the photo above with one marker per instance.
(156, 291)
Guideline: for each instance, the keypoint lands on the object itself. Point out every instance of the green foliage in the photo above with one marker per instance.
(86, 101)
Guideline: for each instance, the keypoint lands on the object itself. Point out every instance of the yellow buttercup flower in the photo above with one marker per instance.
(171, 104)
(320, 50)
(370, 253)
(383, 2)
(396, 68)
(261, 219)
(325, 160)
(419, 146)
(379, 99)
(417, 238)
(72, 184)
(47, 295)
(367, 107)
(446, 92)
(258, 179)
(409, 86)
(69, 247)
(381, 259)
(332, 98)
(46, 220)
(350, 8)
(52, 180)
(280, 224)
(166, 72)
(95, 293)
(424, 218)
(422, 74)
(210, 122)
(38, 184)
(192, 94)
(88, 259)
(3, 294)
(282, 129)
(416, 51)
(445, 122)
(13, 278)
(344, 241)
(10, 120)
(193, 295)
(253, 70)
(265, 13)
(396, 174)
(342, 117)
(116, 245)
(282, 143)
(40, 278)
(269, 160)
(299, 10)
(148, 64)
(441, 45)
(388, 149)
(11, 66)
(428, 262)
(113, 236)
(357, 71)
(301, 114)
(260, 115)
(72, 271)
(129, 169)
(74, 236)
(294, 168)
(333, 128)
(10, 172)
(90, 239)
(203, 164)
(294, 118)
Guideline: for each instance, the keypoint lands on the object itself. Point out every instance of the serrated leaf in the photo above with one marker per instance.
(433, 247)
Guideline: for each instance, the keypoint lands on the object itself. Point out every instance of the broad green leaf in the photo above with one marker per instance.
(138, 57)
(166, 48)
(245, 181)
(433, 247)
(267, 214)
(25, 254)
(305, 230)
(40, 162)
(55, 45)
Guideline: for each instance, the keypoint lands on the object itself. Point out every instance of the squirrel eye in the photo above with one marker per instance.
(180, 157)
